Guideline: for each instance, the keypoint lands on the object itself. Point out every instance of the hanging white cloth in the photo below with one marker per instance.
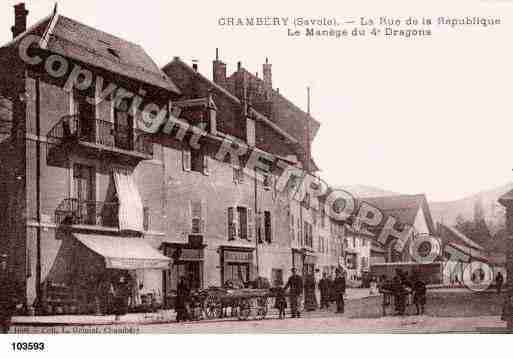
(130, 203)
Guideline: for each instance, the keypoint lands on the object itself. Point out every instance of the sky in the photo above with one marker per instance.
(418, 115)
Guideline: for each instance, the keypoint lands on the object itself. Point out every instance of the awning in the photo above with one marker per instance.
(124, 252)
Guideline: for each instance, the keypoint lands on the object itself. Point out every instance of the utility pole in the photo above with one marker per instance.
(507, 201)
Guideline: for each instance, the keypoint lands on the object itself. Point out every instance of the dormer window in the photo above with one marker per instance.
(113, 52)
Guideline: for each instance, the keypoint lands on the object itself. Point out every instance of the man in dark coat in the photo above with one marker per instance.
(499, 280)
(324, 288)
(339, 286)
(295, 283)
(183, 293)
(7, 295)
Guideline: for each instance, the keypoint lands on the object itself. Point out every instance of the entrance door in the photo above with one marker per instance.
(83, 177)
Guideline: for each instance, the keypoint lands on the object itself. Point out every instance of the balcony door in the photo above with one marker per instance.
(123, 126)
(86, 114)
(84, 189)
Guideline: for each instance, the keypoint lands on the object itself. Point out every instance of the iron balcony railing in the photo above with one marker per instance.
(73, 211)
(105, 133)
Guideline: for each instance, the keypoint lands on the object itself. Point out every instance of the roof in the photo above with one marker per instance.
(468, 252)
(460, 236)
(74, 40)
(221, 90)
(288, 120)
(403, 207)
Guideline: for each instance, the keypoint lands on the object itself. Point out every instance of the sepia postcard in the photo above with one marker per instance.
(255, 168)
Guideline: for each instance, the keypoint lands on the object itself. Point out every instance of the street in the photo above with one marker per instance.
(447, 311)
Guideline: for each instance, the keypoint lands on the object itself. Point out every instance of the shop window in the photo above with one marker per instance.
(268, 226)
(277, 277)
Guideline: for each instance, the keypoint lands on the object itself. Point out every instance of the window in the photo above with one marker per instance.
(196, 161)
(232, 223)
(308, 234)
(240, 223)
(85, 193)
(146, 218)
(197, 217)
(267, 182)
(250, 132)
(299, 233)
(267, 226)
(186, 160)
(277, 277)
(243, 222)
(238, 175)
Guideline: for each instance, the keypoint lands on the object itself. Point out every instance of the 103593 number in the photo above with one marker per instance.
(27, 346)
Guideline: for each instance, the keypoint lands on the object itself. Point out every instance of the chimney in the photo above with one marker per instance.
(20, 20)
(268, 78)
(219, 70)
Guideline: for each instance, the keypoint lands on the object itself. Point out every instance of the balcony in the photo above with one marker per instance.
(72, 211)
(99, 137)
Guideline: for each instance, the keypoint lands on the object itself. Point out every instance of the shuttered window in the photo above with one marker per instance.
(268, 232)
(197, 217)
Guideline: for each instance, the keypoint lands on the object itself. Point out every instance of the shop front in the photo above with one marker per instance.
(187, 262)
(98, 273)
(237, 266)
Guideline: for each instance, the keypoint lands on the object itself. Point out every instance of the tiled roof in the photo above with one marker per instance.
(403, 207)
(74, 40)
(463, 238)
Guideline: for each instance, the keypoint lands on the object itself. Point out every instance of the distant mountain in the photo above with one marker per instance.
(493, 212)
(361, 190)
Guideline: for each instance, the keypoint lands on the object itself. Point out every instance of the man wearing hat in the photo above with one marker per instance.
(339, 286)
(7, 295)
(295, 283)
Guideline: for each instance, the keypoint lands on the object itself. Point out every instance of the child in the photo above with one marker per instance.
(281, 302)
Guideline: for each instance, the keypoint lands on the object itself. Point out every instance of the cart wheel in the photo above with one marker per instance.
(244, 309)
(262, 307)
(212, 307)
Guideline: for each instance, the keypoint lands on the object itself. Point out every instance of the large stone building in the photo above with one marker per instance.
(88, 197)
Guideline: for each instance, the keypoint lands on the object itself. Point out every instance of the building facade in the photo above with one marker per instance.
(91, 199)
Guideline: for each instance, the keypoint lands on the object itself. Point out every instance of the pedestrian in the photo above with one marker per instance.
(499, 280)
(281, 302)
(339, 286)
(384, 287)
(7, 295)
(399, 293)
(295, 283)
(182, 297)
(324, 288)
(419, 295)
(121, 297)
(310, 300)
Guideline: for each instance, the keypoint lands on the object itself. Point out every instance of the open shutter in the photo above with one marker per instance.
(203, 218)
(186, 160)
(206, 170)
(251, 227)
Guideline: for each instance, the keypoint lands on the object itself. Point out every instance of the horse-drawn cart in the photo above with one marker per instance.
(244, 303)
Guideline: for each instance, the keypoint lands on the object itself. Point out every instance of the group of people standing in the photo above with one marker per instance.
(400, 287)
(331, 290)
